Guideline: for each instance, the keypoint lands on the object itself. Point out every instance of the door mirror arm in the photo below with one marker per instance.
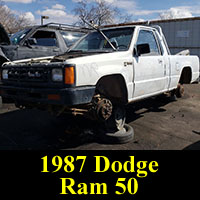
(135, 54)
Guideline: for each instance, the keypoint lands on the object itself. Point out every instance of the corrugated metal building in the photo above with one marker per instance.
(182, 34)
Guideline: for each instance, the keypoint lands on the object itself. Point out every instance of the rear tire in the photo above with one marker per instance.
(179, 91)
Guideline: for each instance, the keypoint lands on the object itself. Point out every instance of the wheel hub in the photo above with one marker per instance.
(104, 109)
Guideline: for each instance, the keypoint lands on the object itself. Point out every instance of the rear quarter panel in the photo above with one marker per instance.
(177, 63)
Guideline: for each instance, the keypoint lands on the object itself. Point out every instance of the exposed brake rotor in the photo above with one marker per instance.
(103, 107)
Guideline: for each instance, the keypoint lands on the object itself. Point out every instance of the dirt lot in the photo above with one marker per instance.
(159, 123)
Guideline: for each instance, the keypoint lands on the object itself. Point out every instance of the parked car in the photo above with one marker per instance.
(38, 41)
(100, 74)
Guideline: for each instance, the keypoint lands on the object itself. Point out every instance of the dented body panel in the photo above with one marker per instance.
(38, 41)
(122, 75)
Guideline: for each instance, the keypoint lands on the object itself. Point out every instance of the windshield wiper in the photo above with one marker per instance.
(101, 51)
(97, 29)
(74, 51)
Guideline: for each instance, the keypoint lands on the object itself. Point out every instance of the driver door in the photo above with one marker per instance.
(149, 68)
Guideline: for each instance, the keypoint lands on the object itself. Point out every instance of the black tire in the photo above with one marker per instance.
(117, 120)
(179, 91)
(120, 137)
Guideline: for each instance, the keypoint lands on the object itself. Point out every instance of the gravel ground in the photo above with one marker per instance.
(159, 123)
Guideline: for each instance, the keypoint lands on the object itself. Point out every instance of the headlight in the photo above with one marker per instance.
(57, 75)
(5, 74)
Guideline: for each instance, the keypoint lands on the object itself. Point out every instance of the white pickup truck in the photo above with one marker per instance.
(100, 74)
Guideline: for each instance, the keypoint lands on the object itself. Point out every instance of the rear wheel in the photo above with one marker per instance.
(179, 91)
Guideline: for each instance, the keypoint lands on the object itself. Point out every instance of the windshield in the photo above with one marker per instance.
(71, 37)
(94, 41)
(17, 37)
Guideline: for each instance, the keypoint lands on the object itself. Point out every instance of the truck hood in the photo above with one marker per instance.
(59, 58)
(76, 58)
(4, 38)
(77, 54)
(95, 57)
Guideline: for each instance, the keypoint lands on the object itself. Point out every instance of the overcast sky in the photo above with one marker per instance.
(61, 10)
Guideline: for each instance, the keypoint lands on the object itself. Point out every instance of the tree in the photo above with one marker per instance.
(12, 22)
(83, 11)
(100, 12)
(104, 13)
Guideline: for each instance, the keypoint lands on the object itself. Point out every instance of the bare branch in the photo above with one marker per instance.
(12, 22)
(101, 13)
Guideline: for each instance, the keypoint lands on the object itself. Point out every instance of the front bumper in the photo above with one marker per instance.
(55, 96)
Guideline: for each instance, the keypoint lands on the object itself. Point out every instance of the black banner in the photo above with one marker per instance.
(99, 174)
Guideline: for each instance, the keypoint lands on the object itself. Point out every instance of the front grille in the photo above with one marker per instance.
(29, 74)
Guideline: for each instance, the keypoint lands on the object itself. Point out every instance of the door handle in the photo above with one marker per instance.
(160, 61)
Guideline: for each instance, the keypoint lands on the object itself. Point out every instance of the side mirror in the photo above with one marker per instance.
(143, 49)
(32, 41)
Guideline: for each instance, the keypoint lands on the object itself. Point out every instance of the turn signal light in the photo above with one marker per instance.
(69, 75)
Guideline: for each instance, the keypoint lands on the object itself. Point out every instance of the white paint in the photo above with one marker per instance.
(146, 77)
